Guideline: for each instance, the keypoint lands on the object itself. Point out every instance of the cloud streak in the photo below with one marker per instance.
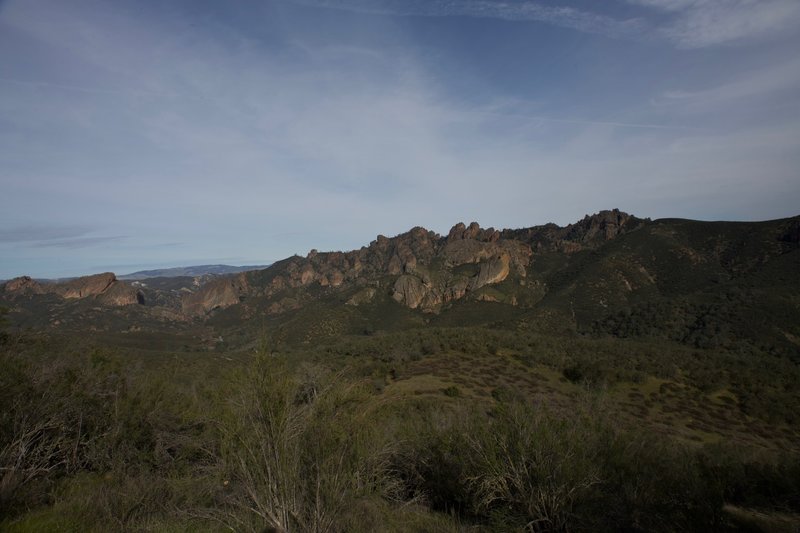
(37, 233)
(562, 16)
(55, 236)
(704, 23)
(688, 24)
(83, 242)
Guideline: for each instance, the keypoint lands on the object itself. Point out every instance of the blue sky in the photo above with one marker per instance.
(150, 134)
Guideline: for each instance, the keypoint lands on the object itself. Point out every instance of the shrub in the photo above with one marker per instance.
(298, 465)
(452, 391)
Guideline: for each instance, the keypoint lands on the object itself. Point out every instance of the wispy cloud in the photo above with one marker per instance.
(44, 236)
(37, 233)
(580, 121)
(685, 23)
(702, 23)
(758, 85)
(562, 16)
(82, 242)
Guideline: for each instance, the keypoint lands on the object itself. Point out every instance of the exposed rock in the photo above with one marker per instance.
(307, 275)
(592, 231)
(335, 278)
(24, 284)
(456, 232)
(395, 266)
(422, 263)
(105, 288)
(409, 290)
(217, 294)
(86, 285)
(363, 296)
(604, 225)
(118, 294)
(492, 271)
(463, 251)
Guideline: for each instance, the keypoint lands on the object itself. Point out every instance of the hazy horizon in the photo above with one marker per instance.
(143, 135)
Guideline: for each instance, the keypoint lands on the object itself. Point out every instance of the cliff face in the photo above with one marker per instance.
(216, 294)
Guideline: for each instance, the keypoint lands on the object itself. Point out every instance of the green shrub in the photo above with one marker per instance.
(452, 391)
(298, 465)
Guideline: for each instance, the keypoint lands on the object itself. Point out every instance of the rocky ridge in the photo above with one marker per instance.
(425, 269)
(104, 288)
(420, 269)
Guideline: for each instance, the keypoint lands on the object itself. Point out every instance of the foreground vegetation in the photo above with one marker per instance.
(96, 440)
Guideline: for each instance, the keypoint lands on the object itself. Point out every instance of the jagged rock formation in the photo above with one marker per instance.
(105, 288)
(420, 269)
(425, 270)
(590, 232)
(411, 258)
(23, 284)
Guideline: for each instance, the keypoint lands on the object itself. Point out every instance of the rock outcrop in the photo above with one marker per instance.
(119, 294)
(590, 232)
(104, 288)
(217, 294)
(23, 285)
(409, 290)
(86, 285)
(428, 288)
(426, 270)
(492, 271)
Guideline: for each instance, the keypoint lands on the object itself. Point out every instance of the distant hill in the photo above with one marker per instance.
(199, 270)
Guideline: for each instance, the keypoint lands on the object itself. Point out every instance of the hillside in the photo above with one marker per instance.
(189, 271)
(703, 284)
(637, 374)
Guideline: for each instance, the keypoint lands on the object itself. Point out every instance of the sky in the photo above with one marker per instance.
(138, 134)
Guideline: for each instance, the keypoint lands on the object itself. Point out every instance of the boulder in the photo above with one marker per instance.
(409, 290)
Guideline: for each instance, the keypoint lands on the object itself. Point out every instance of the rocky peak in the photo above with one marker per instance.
(23, 284)
(603, 226)
(473, 231)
